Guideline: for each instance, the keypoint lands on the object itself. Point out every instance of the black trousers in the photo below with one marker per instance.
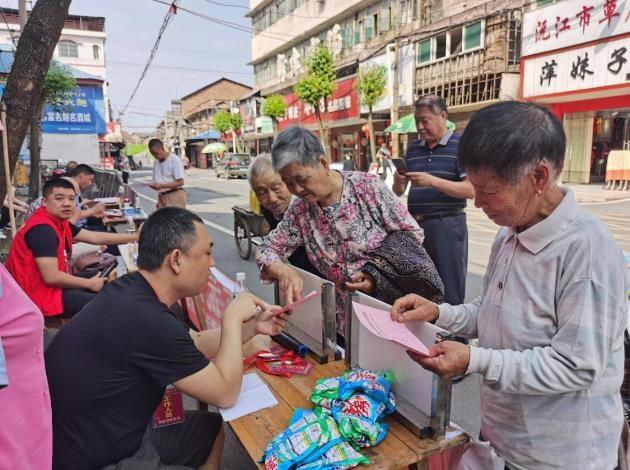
(446, 242)
(74, 300)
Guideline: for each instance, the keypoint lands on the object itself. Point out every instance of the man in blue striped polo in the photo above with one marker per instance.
(438, 194)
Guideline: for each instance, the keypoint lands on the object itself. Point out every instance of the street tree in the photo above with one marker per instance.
(224, 121)
(275, 108)
(317, 86)
(370, 87)
(23, 95)
(58, 86)
(236, 120)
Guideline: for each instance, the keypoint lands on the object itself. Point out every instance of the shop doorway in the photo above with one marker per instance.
(579, 132)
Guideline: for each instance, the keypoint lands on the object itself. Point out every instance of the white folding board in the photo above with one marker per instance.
(411, 381)
(308, 317)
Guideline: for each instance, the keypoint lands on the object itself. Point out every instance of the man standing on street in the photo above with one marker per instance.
(168, 176)
(439, 190)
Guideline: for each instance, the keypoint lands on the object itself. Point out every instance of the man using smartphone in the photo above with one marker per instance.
(438, 194)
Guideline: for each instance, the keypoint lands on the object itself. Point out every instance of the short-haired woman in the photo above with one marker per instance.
(347, 221)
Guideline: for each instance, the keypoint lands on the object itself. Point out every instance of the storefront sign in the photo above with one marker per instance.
(405, 77)
(264, 125)
(84, 113)
(581, 68)
(573, 22)
(343, 104)
(247, 108)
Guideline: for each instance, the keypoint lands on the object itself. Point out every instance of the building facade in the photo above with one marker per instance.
(575, 60)
(466, 52)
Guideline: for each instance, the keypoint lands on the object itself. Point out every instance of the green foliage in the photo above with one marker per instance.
(370, 85)
(222, 121)
(236, 121)
(58, 85)
(319, 82)
(274, 107)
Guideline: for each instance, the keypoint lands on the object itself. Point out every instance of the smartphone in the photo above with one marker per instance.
(400, 165)
(108, 270)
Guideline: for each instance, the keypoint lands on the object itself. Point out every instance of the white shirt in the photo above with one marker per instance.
(168, 171)
(550, 321)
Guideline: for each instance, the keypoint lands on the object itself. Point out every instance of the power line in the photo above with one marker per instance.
(183, 69)
(167, 19)
(227, 4)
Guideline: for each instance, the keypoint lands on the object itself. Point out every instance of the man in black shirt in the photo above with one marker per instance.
(108, 368)
(275, 198)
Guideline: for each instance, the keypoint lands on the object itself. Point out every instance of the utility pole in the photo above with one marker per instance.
(395, 100)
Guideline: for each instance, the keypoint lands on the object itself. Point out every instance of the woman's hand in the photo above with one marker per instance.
(290, 284)
(414, 307)
(361, 281)
(447, 359)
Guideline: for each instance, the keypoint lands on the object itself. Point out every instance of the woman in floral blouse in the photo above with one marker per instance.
(341, 218)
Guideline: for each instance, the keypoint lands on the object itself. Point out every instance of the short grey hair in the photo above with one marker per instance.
(259, 166)
(296, 144)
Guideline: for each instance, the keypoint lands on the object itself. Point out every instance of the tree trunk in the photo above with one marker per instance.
(24, 89)
(322, 134)
(35, 177)
(372, 139)
(274, 122)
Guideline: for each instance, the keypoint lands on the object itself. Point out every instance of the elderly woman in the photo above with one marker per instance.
(552, 313)
(275, 198)
(344, 220)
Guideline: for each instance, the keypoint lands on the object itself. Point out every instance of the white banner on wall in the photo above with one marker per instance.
(572, 22)
(578, 69)
(405, 78)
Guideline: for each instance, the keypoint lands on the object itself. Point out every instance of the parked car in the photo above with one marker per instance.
(232, 165)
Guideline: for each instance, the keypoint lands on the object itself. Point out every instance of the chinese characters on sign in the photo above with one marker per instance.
(569, 23)
(582, 68)
(83, 113)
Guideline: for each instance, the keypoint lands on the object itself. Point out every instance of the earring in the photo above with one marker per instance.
(539, 193)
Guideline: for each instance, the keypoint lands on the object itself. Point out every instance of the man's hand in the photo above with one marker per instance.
(447, 359)
(244, 307)
(97, 210)
(155, 186)
(361, 281)
(414, 307)
(420, 179)
(270, 323)
(96, 283)
(290, 284)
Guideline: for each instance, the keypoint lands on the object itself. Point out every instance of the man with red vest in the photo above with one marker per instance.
(40, 254)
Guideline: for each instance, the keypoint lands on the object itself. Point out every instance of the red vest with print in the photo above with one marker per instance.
(22, 266)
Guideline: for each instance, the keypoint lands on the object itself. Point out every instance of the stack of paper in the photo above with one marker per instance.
(255, 395)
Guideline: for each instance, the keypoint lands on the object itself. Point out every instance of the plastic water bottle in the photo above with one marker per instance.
(241, 284)
(131, 225)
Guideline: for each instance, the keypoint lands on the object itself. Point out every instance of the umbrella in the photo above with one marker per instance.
(214, 147)
(134, 149)
(407, 125)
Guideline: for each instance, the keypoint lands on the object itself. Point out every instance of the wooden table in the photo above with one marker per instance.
(126, 252)
(400, 448)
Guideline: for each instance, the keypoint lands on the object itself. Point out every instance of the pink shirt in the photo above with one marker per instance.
(25, 414)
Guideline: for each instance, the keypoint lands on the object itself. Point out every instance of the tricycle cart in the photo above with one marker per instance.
(247, 224)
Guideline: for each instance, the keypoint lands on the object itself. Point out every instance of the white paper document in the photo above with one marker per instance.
(255, 395)
(379, 323)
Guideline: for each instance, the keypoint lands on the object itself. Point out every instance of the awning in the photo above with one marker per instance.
(210, 134)
(134, 149)
(407, 125)
(214, 147)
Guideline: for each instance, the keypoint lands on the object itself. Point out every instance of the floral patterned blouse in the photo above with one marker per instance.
(339, 239)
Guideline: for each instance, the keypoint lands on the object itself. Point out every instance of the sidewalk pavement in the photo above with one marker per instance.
(596, 194)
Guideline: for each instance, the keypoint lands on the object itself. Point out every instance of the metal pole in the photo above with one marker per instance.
(7, 170)
(397, 69)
